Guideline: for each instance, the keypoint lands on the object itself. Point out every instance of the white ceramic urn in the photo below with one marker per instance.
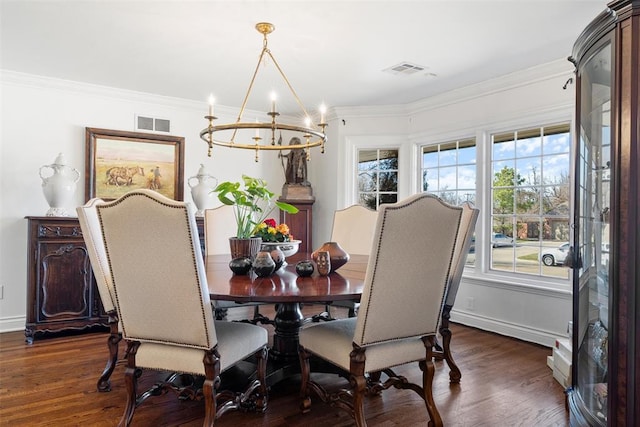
(202, 186)
(58, 185)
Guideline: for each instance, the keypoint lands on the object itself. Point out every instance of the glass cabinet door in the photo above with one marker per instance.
(591, 240)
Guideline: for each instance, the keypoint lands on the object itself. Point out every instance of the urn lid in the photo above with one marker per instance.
(203, 171)
(60, 160)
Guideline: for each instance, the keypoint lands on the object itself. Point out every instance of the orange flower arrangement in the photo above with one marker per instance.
(270, 231)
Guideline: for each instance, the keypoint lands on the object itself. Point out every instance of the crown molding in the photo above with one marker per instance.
(87, 89)
(538, 73)
(543, 72)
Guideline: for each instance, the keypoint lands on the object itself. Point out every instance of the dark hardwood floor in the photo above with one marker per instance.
(505, 382)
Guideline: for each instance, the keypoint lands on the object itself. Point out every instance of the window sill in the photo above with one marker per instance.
(538, 285)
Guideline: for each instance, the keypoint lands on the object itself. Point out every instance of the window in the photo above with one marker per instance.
(377, 177)
(530, 200)
(449, 171)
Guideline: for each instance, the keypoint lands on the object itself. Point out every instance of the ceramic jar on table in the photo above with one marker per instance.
(263, 264)
(337, 256)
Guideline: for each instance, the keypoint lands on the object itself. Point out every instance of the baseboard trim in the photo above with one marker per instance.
(12, 324)
(522, 332)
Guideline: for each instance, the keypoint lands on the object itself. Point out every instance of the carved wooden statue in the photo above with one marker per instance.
(296, 169)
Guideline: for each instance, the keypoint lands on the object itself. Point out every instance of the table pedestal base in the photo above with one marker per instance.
(287, 321)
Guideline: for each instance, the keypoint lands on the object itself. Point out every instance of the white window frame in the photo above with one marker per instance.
(355, 143)
(542, 156)
(456, 164)
(480, 272)
(377, 192)
(483, 198)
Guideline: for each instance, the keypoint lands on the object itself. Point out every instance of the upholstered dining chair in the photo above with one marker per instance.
(91, 233)
(219, 225)
(407, 275)
(162, 300)
(461, 250)
(353, 228)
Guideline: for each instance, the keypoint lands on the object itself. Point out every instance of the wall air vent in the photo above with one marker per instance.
(152, 124)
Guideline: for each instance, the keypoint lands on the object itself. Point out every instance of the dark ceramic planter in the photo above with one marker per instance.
(263, 265)
(240, 266)
(337, 256)
(304, 268)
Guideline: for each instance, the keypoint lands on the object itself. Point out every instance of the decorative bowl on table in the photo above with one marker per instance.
(288, 248)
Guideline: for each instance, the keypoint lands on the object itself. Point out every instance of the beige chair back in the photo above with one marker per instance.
(463, 243)
(353, 229)
(219, 225)
(408, 270)
(159, 282)
(92, 235)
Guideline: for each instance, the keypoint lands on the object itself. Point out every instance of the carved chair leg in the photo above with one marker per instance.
(112, 343)
(220, 313)
(428, 370)
(131, 381)
(454, 371)
(373, 383)
(210, 386)
(353, 311)
(305, 378)
(261, 356)
(445, 351)
(327, 309)
(358, 383)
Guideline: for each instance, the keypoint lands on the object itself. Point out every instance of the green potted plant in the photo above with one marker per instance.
(252, 202)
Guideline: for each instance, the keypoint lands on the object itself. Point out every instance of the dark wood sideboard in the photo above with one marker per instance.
(61, 289)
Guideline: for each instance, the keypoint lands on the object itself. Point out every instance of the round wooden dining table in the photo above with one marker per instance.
(287, 291)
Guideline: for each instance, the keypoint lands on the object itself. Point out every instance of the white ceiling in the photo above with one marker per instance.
(331, 51)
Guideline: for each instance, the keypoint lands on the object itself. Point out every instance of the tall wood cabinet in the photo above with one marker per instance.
(61, 290)
(606, 234)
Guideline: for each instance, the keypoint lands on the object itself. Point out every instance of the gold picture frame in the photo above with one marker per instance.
(120, 161)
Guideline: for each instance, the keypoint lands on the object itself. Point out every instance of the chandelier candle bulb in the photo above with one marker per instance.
(273, 102)
(323, 111)
(211, 101)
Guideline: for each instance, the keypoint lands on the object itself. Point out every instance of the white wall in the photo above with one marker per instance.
(41, 117)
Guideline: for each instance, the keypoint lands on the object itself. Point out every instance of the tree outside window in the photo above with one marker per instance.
(377, 177)
(530, 200)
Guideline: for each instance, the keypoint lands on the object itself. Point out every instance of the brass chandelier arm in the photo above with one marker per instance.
(293, 92)
(253, 79)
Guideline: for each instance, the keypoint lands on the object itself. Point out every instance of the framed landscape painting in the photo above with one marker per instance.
(119, 161)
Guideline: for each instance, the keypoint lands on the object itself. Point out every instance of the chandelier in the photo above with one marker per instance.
(308, 135)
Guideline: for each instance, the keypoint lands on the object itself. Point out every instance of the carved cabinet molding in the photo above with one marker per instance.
(61, 290)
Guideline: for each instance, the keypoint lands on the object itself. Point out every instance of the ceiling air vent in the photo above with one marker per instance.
(152, 124)
(405, 68)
